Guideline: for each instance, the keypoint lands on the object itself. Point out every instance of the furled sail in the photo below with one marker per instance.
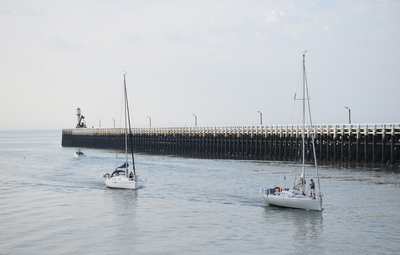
(298, 183)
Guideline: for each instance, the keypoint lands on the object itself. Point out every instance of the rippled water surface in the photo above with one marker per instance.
(52, 203)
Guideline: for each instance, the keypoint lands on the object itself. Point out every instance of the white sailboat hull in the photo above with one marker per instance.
(299, 202)
(121, 182)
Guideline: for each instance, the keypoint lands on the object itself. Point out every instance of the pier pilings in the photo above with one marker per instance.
(343, 143)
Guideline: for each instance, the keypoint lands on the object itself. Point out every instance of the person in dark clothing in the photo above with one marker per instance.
(312, 188)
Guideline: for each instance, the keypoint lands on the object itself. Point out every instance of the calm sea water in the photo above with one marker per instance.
(52, 203)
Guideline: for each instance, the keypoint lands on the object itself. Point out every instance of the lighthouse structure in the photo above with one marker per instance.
(81, 119)
(78, 114)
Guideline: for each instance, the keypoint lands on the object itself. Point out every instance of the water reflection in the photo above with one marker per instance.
(304, 228)
(124, 201)
(122, 205)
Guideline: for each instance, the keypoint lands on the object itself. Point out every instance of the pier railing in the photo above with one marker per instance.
(364, 142)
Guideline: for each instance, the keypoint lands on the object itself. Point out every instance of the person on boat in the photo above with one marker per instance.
(312, 187)
(131, 175)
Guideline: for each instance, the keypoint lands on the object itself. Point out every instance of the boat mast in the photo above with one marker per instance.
(126, 128)
(304, 124)
(130, 129)
(311, 123)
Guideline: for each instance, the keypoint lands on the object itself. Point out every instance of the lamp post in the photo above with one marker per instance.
(114, 121)
(349, 114)
(195, 120)
(99, 123)
(149, 120)
(260, 117)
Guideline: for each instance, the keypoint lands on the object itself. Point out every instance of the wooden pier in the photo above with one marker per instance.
(344, 143)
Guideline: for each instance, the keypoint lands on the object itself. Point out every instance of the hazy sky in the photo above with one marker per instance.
(222, 60)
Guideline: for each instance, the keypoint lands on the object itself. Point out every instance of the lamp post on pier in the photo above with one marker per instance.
(149, 120)
(114, 121)
(349, 114)
(99, 123)
(195, 120)
(260, 117)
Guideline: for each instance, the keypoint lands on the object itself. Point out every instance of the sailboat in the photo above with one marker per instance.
(121, 178)
(297, 197)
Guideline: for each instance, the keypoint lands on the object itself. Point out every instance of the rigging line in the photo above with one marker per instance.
(130, 129)
(121, 118)
(312, 131)
(277, 178)
(121, 108)
(295, 104)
